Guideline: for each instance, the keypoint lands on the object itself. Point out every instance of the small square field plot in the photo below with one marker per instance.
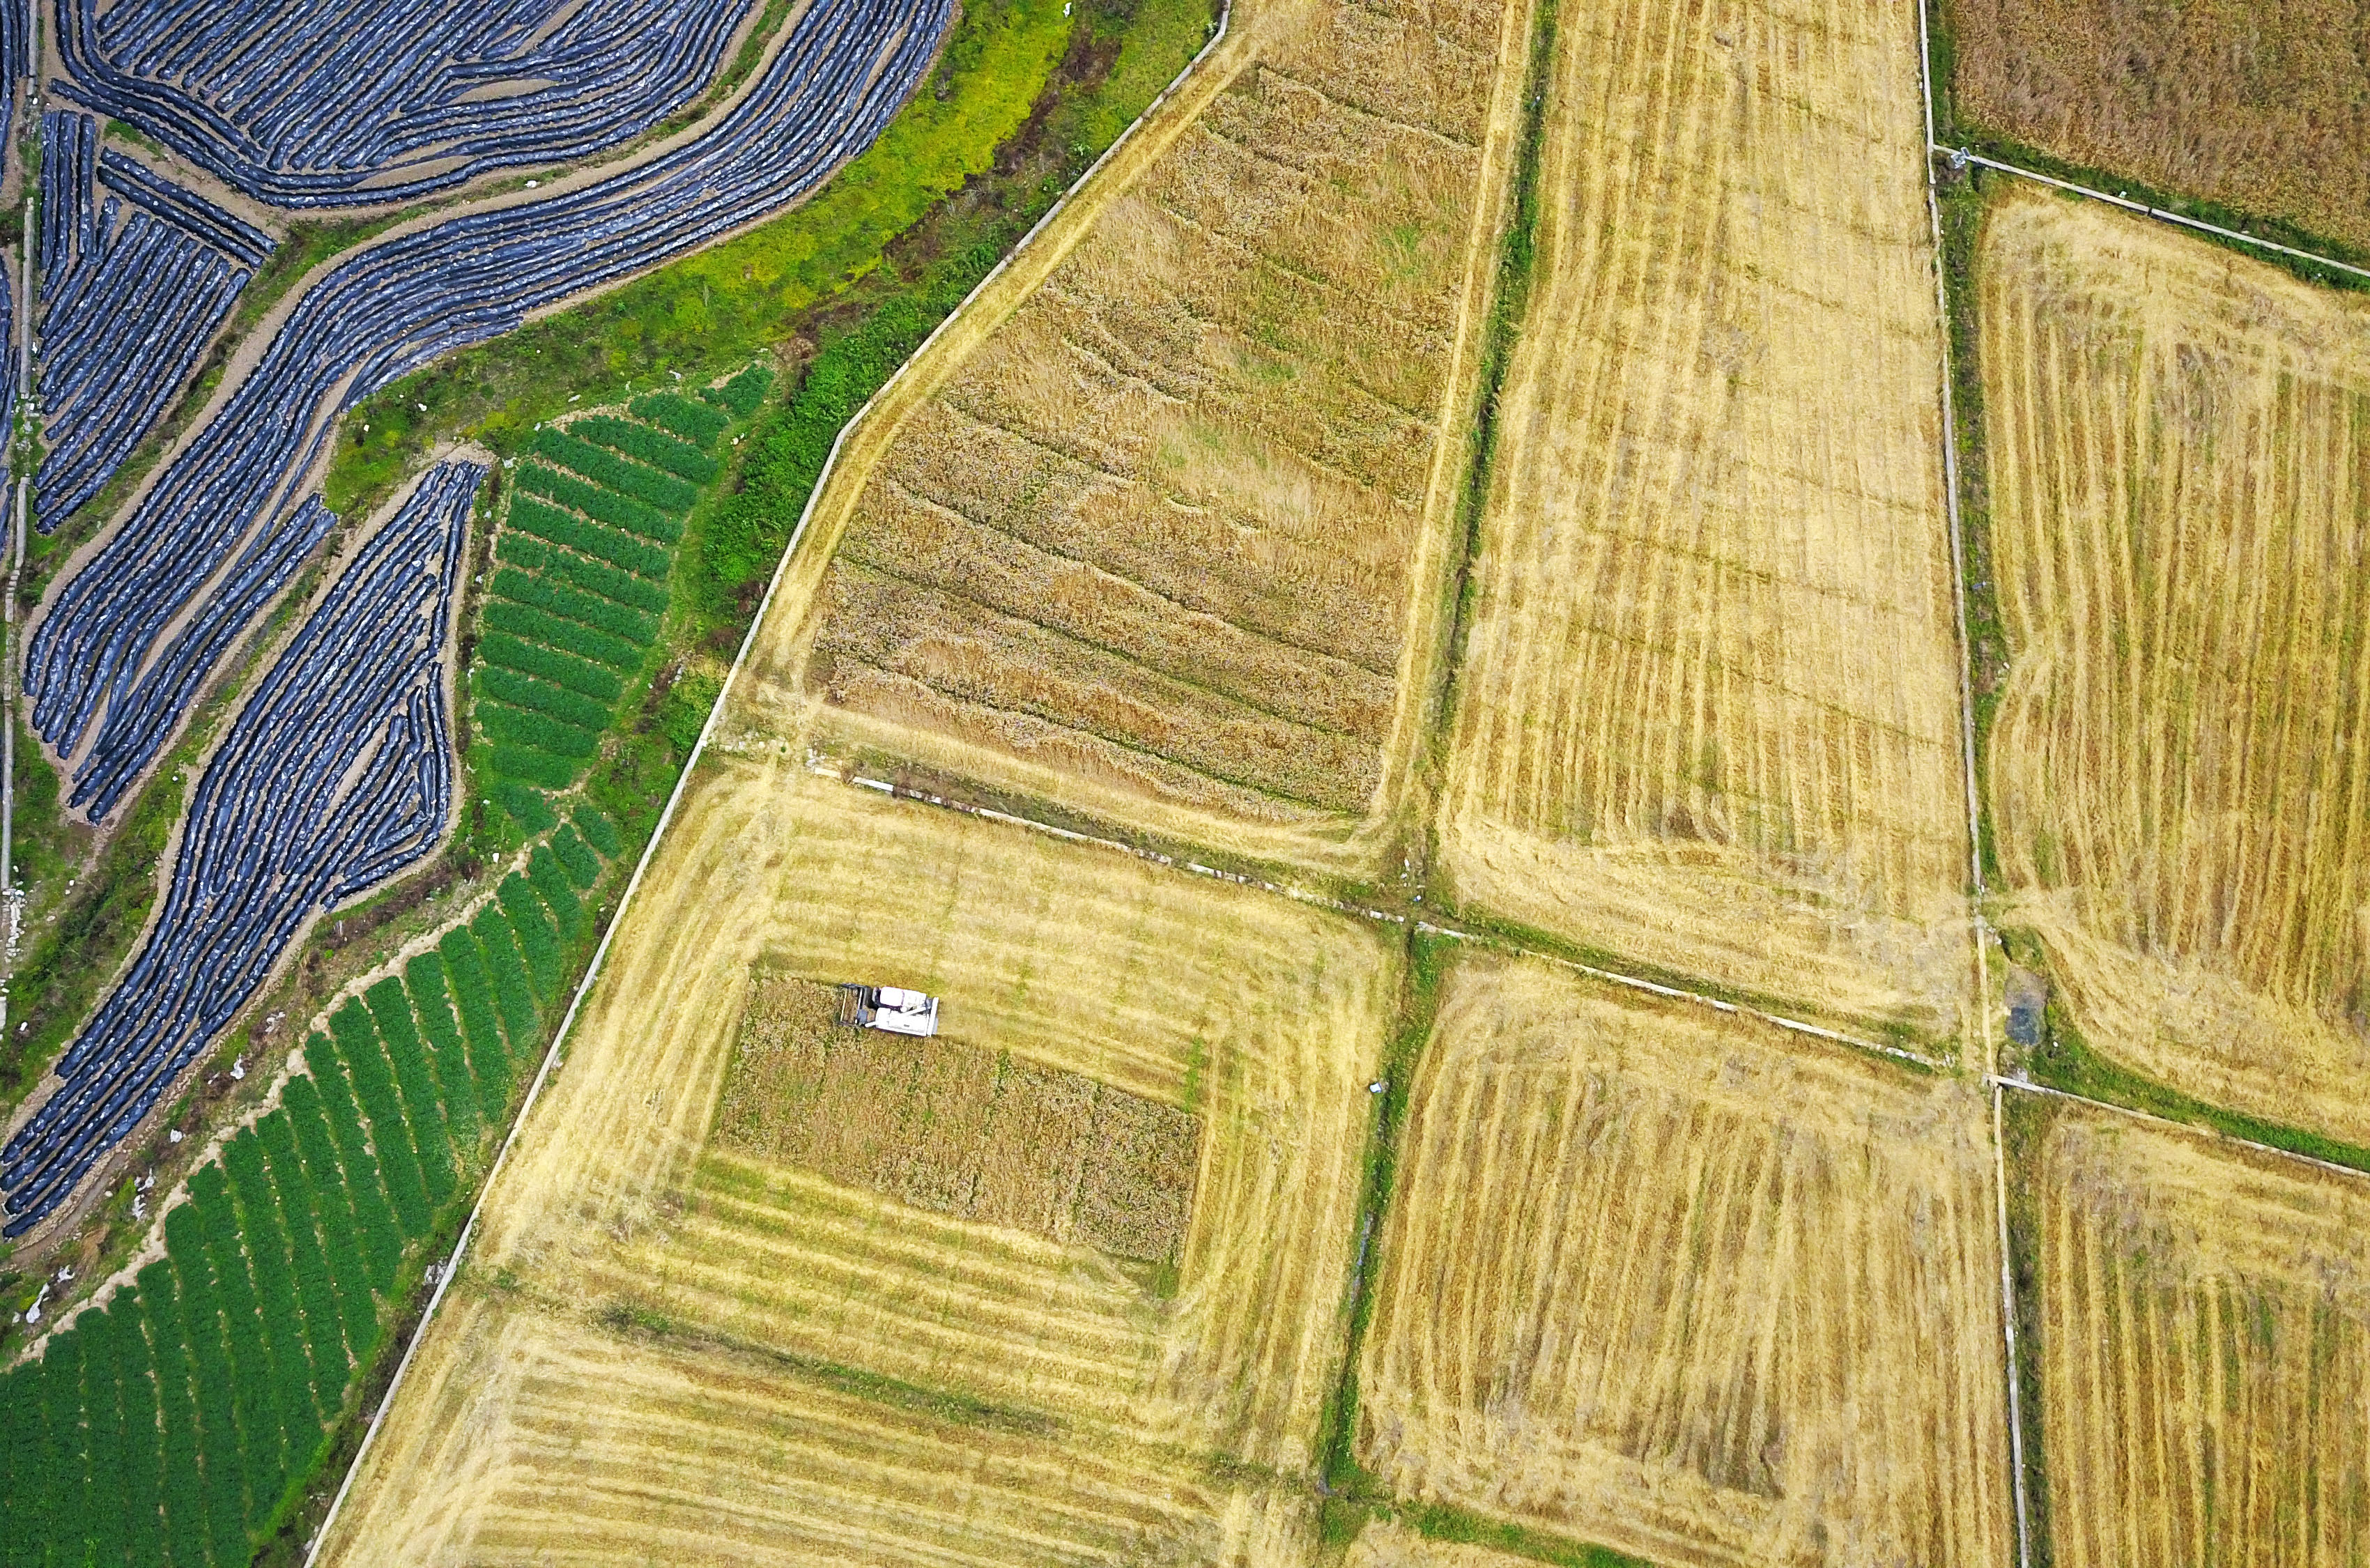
(1169, 544)
(1688, 1286)
(2178, 776)
(2205, 1345)
(1708, 720)
(2261, 107)
(1067, 1283)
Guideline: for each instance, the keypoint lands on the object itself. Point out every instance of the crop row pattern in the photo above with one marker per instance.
(387, 99)
(178, 1422)
(132, 289)
(335, 775)
(844, 69)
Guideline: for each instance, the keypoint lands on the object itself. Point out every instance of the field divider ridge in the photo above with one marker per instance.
(1366, 912)
(1950, 481)
(2029, 1085)
(1963, 155)
(691, 763)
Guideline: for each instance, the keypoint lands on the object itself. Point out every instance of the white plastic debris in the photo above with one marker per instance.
(237, 1069)
(173, 1136)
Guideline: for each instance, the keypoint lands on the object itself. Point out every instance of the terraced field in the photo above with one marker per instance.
(879, 1333)
(1694, 1287)
(1707, 718)
(2179, 774)
(1167, 539)
(2205, 1349)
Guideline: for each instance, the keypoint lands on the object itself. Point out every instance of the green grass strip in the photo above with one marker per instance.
(551, 883)
(539, 943)
(374, 1079)
(576, 858)
(644, 444)
(625, 515)
(663, 492)
(329, 1135)
(431, 1002)
(520, 728)
(511, 991)
(637, 628)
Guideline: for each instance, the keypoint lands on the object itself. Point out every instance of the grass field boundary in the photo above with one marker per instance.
(2029, 1085)
(691, 764)
(1963, 155)
(1946, 323)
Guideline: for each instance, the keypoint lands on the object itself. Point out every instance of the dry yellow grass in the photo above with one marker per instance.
(2261, 104)
(1382, 1544)
(2205, 1351)
(1168, 540)
(915, 1372)
(2179, 774)
(950, 1127)
(1709, 713)
(1683, 1284)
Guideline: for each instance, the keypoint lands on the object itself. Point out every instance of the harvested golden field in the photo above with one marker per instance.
(957, 1129)
(1688, 1286)
(671, 1325)
(1170, 539)
(2264, 105)
(1386, 1545)
(2205, 1349)
(2179, 771)
(1709, 715)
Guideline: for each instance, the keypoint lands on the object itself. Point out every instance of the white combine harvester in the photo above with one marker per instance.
(888, 1007)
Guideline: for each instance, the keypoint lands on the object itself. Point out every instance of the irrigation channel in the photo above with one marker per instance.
(141, 624)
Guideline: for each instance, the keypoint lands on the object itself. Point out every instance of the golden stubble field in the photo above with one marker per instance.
(665, 1348)
(2180, 773)
(2205, 1351)
(1169, 539)
(1709, 713)
(1689, 1285)
(2264, 106)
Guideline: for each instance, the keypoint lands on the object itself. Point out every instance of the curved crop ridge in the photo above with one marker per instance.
(336, 775)
(135, 278)
(316, 103)
(845, 69)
